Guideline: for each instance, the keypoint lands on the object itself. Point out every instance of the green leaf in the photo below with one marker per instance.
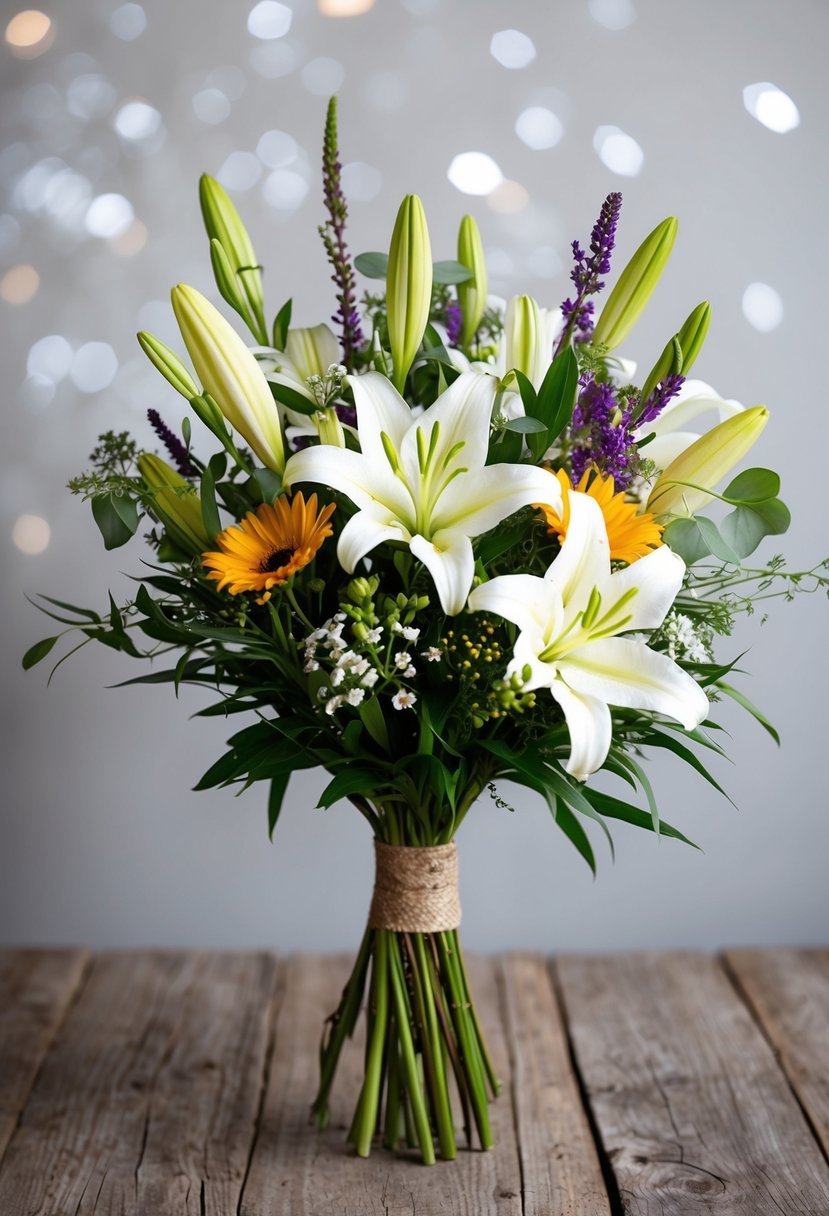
(275, 798)
(447, 273)
(556, 399)
(209, 509)
(697, 537)
(269, 484)
(117, 518)
(372, 265)
(352, 781)
(526, 426)
(507, 450)
(37, 652)
(575, 833)
(292, 398)
(281, 325)
(751, 708)
(744, 527)
(658, 738)
(615, 808)
(752, 485)
(371, 716)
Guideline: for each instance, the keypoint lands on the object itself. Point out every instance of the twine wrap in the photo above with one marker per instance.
(415, 889)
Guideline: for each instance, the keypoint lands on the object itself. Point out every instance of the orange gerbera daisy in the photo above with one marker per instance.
(630, 534)
(269, 545)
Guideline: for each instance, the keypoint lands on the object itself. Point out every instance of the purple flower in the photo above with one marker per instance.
(602, 433)
(175, 448)
(454, 322)
(664, 392)
(586, 272)
(347, 318)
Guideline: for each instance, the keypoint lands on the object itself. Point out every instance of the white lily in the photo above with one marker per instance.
(569, 621)
(672, 438)
(424, 481)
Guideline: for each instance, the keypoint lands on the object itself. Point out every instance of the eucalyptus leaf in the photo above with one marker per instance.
(698, 537)
(745, 526)
(117, 518)
(752, 486)
(526, 426)
(372, 265)
(447, 273)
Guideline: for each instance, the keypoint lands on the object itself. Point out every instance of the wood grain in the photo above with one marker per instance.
(693, 1110)
(559, 1163)
(789, 993)
(147, 1103)
(36, 987)
(298, 1170)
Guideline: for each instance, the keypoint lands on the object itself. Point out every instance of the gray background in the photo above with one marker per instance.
(101, 839)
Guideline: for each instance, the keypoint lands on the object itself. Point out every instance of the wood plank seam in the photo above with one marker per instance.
(277, 998)
(745, 996)
(509, 1090)
(69, 1004)
(613, 1194)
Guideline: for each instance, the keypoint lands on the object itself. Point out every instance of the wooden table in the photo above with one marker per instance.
(654, 1084)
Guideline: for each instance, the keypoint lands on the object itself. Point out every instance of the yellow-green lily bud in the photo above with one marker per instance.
(175, 503)
(472, 293)
(312, 350)
(329, 427)
(636, 282)
(408, 286)
(693, 334)
(522, 331)
(681, 488)
(226, 280)
(669, 363)
(230, 374)
(224, 224)
(169, 364)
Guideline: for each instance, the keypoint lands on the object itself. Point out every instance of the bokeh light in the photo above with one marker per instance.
(50, 358)
(771, 107)
(269, 19)
(612, 14)
(618, 151)
(109, 215)
(344, 8)
(29, 33)
(93, 367)
(19, 284)
(512, 49)
(128, 22)
(323, 76)
(539, 128)
(507, 197)
(762, 307)
(474, 173)
(31, 534)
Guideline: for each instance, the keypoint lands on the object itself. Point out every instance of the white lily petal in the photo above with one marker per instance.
(363, 532)
(448, 558)
(463, 412)
(584, 560)
(628, 674)
(351, 474)
(589, 724)
(299, 386)
(529, 602)
(528, 646)
(479, 500)
(657, 578)
(664, 449)
(312, 350)
(380, 409)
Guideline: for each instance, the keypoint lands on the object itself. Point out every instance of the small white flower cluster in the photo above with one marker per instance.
(328, 387)
(352, 674)
(687, 640)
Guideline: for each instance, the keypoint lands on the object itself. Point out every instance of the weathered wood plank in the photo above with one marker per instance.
(560, 1167)
(694, 1113)
(789, 992)
(147, 1103)
(36, 987)
(297, 1170)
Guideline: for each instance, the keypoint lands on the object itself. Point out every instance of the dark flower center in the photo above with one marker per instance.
(275, 559)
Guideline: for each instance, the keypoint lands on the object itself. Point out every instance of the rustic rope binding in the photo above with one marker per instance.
(415, 889)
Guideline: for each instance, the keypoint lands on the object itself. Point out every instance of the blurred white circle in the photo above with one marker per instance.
(93, 367)
(361, 182)
(512, 49)
(771, 107)
(50, 357)
(109, 215)
(19, 284)
(31, 534)
(137, 120)
(612, 14)
(240, 171)
(539, 128)
(274, 59)
(474, 173)
(618, 151)
(128, 22)
(269, 19)
(762, 307)
(277, 149)
(36, 392)
(323, 76)
(89, 96)
(211, 106)
(285, 189)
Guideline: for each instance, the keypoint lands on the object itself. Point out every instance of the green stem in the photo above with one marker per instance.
(492, 1076)
(466, 1039)
(342, 1023)
(402, 1011)
(431, 1045)
(392, 1124)
(370, 1095)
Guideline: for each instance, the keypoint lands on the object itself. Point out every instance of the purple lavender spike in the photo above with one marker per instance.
(333, 238)
(587, 271)
(175, 448)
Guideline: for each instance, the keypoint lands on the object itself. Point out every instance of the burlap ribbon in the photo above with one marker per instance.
(415, 889)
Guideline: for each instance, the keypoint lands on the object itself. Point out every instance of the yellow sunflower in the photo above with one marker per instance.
(269, 546)
(630, 534)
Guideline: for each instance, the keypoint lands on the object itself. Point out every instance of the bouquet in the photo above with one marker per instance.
(451, 541)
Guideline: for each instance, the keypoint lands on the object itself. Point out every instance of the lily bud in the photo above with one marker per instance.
(693, 334)
(312, 350)
(175, 503)
(169, 364)
(705, 463)
(522, 330)
(669, 363)
(408, 286)
(636, 282)
(472, 293)
(224, 224)
(230, 374)
(329, 427)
